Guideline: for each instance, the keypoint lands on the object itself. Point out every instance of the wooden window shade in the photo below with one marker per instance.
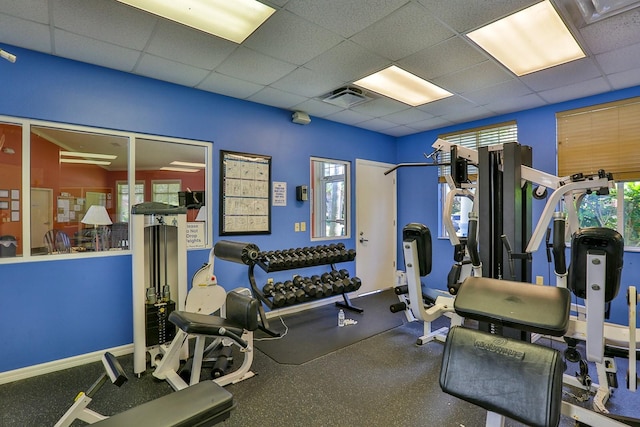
(475, 138)
(605, 136)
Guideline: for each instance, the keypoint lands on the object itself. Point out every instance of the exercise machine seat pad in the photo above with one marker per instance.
(532, 308)
(242, 310)
(203, 324)
(517, 379)
(202, 404)
(596, 240)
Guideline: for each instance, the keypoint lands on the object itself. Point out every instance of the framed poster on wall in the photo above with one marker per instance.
(245, 196)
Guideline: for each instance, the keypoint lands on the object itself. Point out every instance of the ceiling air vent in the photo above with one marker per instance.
(346, 97)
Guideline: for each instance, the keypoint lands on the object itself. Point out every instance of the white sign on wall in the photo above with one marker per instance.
(279, 193)
(196, 237)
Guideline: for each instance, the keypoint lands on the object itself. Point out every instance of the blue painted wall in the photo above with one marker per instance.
(418, 189)
(56, 309)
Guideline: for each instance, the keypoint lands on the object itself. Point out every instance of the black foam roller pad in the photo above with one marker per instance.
(238, 252)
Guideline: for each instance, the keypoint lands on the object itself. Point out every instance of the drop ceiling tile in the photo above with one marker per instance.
(508, 89)
(348, 117)
(170, 71)
(317, 108)
(306, 82)
(399, 131)
(575, 91)
(419, 29)
(380, 106)
(26, 34)
(509, 104)
(444, 58)
(409, 116)
(477, 77)
(347, 62)
(463, 15)
(96, 52)
(623, 59)
(276, 98)
(290, 38)
(247, 64)
(181, 44)
(447, 105)
(462, 116)
(625, 79)
(108, 21)
(31, 10)
(229, 86)
(613, 33)
(430, 124)
(562, 75)
(344, 17)
(377, 124)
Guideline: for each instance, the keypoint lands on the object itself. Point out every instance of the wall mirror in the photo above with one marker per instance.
(330, 198)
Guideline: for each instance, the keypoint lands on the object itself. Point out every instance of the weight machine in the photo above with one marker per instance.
(159, 265)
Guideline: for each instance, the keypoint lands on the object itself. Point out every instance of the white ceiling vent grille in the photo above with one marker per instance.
(346, 97)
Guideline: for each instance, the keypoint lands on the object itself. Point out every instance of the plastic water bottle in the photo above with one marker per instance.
(341, 318)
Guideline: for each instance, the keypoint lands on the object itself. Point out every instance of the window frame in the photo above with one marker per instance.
(317, 209)
(25, 187)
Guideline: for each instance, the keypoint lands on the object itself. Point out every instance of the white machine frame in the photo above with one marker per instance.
(167, 367)
(442, 307)
(140, 280)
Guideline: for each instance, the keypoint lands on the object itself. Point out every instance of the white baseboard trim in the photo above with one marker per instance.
(58, 365)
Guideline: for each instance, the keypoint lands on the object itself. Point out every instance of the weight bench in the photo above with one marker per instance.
(204, 404)
(236, 325)
(508, 377)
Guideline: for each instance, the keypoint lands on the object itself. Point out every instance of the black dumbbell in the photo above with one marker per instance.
(306, 285)
(356, 283)
(289, 296)
(341, 286)
(344, 273)
(351, 254)
(268, 288)
(298, 293)
(278, 298)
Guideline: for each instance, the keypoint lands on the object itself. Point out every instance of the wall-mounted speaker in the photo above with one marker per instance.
(300, 118)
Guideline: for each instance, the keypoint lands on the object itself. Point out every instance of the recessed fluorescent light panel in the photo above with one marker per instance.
(169, 168)
(232, 20)
(88, 155)
(396, 83)
(193, 165)
(531, 40)
(86, 162)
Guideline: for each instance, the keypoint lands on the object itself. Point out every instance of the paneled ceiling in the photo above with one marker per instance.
(308, 48)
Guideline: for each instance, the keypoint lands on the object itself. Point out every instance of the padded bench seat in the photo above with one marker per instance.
(200, 405)
(532, 308)
(202, 324)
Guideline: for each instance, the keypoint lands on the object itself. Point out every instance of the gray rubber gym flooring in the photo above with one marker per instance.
(384, 380)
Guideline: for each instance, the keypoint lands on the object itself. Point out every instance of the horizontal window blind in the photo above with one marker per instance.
(475, 138)
(605, 136)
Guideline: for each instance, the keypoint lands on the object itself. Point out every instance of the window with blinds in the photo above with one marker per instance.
(473, 139)
(605, 136)
(478, 137)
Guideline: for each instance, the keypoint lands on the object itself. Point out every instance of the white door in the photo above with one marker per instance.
(376, 233)
(41, 215)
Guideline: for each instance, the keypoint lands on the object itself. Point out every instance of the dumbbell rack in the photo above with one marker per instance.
(293, 259)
